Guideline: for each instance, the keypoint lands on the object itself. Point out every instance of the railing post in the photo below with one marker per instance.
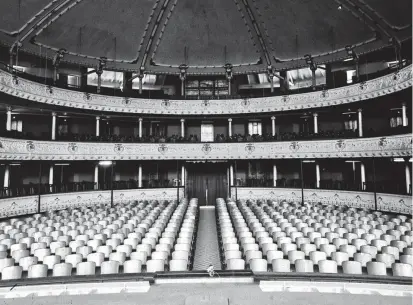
(39, 186)
(302, 181)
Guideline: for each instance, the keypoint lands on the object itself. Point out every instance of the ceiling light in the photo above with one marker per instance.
(308, 161)
(400, 160)
(105, 163)
(62, 164)
(340, 7)
(351, 161)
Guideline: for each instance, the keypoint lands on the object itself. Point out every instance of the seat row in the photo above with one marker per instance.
(293, 237)
(129, 238)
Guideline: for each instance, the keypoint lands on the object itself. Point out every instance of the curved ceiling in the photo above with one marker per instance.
(160, 35)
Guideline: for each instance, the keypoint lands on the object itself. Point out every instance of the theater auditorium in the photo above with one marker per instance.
(206, 152)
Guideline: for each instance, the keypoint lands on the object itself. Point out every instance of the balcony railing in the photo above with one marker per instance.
(13, 84)
(45, 188)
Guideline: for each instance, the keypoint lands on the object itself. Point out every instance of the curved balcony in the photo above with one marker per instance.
(364, 200)
(392, 146)
(37, 92)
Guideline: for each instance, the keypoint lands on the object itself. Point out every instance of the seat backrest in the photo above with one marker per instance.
(6, 262)
(352, 267)
(86, 268)
(37, 271)
(96, 258)
(63, 252)
(281, 265)
(155, 265)
(317, 256)
(363, 258)
(400, 269)
(258, 265)
(376, 268)
(178, 265)
(26, 262)
(109, 267)
(120, 257)
(141, 256)
(73, 259)
(387, 259)
(326, 266)
(293, 255)
(51, 260)
(62, 269)
(235, 264)
(304, 265)
(12, 273)
(132, 266)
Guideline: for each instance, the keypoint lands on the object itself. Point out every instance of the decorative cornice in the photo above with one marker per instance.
(393, 146)
(61, 97)
(365, 200)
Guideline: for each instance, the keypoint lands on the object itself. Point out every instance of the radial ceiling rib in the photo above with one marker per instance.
(43, 19)
(258, 36)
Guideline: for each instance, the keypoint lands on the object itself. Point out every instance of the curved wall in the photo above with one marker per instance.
(16, 206)
(61, 97)
(392, 146)
(385, 202)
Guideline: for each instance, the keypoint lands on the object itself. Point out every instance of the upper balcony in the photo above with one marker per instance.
(55, 96)
(392, 146)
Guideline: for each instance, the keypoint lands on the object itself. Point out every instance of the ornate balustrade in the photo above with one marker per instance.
(392, 146)
(10, 207)
(385, 202)
(37, 92)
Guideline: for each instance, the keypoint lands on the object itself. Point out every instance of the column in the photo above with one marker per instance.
(360, 122)
(51, 174)
(99, 73)
(140, 176)
(6, 176)
(230, 127)
(183, 178)
(317, 175)
(53, 125)
(404, 114)
(315, 115)
(407, 173)
(183, 128)
(98, 126)
(8, 122)
(231, 175)
(273, 125)
(96, 176)
(363, 176)
(274, 175)
(140, 127)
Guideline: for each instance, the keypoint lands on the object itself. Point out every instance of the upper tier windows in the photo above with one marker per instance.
(37, 92)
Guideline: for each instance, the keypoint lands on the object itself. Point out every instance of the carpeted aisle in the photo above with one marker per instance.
(207, 248)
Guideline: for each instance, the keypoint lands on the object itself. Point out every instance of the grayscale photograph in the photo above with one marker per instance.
(206, 152)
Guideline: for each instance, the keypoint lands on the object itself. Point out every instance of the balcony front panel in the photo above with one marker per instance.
(365, 200)
(392, 146)
(10, 207)
(37, 92)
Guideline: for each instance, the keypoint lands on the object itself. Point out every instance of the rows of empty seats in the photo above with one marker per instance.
(272, 237)
(127, 238)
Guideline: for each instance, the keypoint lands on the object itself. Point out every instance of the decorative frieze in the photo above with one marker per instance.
(41, 93)
(365, 200)
(10, 207)
(392, 146)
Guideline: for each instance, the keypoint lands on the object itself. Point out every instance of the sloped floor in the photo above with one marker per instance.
(207, 248)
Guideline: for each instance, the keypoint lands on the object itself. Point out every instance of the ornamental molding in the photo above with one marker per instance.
(392, 146)
(10, 207)
(365, 200)
(41, 93)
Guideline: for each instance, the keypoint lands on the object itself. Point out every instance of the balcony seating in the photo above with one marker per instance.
(127, 238)
(313, 238)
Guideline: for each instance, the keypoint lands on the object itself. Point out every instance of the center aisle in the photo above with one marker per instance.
(207, 247)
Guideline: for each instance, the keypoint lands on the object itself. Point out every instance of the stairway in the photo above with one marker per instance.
(207, 248)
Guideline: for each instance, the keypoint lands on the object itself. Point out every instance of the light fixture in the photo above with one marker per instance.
(308, 161)
(105, 163)
(340, 7)
(352, 161)
(400, 160)
(62, 164)
(348, 59)
(15, 164)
